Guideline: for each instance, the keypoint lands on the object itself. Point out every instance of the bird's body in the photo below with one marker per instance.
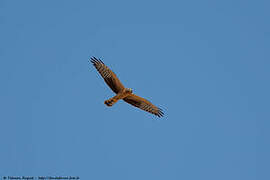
(121, 92)
(118, 96)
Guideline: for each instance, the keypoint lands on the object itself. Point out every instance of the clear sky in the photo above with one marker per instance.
(206, 63)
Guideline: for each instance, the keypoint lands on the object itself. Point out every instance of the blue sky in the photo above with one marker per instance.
(206, 63)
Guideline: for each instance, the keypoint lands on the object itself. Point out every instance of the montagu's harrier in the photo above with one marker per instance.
(121, 92)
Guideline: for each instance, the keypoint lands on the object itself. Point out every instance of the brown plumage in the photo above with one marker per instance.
(121, 92)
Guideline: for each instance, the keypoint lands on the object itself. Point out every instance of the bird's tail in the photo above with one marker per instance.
(117, 97)
(111, 101)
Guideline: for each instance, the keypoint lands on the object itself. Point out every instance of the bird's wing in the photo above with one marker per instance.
(109, 77)
(143, 104)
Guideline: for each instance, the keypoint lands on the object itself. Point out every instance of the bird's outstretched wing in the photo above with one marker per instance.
(109, 77)
(143, 104)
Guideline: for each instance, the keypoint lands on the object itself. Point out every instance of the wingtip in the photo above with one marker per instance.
(95, 60)
(160, 113)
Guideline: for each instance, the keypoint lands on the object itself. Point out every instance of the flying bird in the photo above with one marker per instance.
(121, 92)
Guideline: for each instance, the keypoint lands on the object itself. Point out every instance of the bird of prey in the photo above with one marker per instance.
(121, 92)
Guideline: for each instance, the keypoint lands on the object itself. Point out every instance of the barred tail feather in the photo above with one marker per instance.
(110, 102)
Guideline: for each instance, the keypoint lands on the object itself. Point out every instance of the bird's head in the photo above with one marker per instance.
(129, 90)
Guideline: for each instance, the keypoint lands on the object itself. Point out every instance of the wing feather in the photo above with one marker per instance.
(108, 75)
(143, 104)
